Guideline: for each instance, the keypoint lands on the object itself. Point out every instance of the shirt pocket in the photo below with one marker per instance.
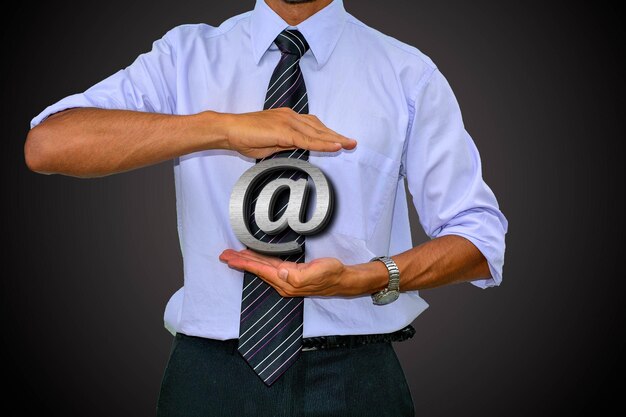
(364, 181)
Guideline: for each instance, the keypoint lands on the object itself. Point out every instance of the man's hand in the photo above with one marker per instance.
(320, 277)
(259, 134)
(440, 261)
(92, 142)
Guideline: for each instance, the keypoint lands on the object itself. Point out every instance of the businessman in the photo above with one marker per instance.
(307, 333)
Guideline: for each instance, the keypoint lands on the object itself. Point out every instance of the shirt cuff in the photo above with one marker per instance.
(73, 101)
(173, 311)
(489, 243)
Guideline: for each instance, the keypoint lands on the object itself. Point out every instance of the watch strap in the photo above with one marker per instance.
(394, 272)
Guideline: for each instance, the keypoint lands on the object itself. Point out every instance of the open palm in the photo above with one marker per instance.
(322, 276)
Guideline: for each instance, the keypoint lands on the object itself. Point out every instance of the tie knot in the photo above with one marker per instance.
(291, 41)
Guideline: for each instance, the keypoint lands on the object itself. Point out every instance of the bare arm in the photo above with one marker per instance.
(445, 260)
(90, 142)
(441, 261)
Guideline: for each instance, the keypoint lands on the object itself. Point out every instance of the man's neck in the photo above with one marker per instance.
(294, 13)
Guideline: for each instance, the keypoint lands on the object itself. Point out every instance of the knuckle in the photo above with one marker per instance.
(282, 112)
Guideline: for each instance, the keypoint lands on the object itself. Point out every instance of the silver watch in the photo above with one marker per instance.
(392, 292)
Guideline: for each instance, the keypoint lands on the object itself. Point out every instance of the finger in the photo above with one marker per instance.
(272, 260)
(260, 269)
(283, 273)
(312, 120)
(226, 254)
(267, 273)
(264, 152)
(235, 259)
(301, 278)
(325, 133)
(229, 255)
(293, 273)
(282, 267)
(304, 141)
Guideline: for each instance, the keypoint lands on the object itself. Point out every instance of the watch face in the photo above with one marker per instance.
(387, 297)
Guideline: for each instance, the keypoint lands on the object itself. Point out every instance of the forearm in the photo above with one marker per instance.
(90, 142)
(441, 261)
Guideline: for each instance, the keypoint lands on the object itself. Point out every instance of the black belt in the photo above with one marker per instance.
(328, 342)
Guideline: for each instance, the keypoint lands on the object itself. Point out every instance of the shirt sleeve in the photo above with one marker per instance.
(443, 171)
(148, 85)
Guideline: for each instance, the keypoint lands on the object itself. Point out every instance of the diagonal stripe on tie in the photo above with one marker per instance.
(270, 331)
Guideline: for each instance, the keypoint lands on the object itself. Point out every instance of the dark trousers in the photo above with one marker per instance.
(206, 377)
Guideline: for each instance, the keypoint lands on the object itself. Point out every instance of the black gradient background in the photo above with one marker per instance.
(90, 264)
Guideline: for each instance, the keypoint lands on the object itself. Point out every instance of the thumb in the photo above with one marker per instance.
(283, 274)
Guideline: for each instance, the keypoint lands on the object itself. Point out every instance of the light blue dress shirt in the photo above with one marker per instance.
(361, 83)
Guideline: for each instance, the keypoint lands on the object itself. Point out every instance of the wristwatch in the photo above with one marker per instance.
(392, 292)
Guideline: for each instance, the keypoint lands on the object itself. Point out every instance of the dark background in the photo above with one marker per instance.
(90, 264)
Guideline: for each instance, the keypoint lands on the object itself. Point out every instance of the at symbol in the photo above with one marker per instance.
(298, 196)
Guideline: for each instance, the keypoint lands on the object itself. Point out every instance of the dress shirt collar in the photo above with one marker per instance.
(321, 30)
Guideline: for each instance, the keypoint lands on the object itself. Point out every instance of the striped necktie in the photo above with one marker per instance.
(270, 332)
